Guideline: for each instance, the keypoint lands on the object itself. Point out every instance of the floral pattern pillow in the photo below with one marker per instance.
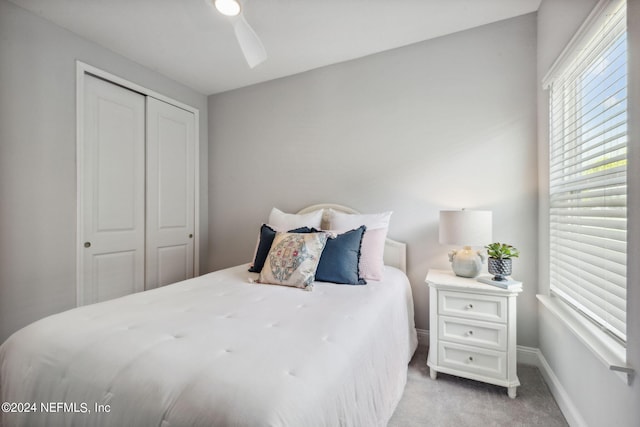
(293, 259)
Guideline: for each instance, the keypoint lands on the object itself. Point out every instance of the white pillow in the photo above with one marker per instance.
(281, 221)
(371, 265)
(343, 221)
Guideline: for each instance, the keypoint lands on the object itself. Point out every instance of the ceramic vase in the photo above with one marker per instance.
(500, 268)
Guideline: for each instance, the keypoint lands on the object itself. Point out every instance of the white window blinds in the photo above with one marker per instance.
(588, 171)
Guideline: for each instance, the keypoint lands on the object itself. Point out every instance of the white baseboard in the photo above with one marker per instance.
(534, 357)
(528, 355)
(563, 399)
(423, 337)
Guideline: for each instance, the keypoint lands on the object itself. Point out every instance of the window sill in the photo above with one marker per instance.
(605, 348)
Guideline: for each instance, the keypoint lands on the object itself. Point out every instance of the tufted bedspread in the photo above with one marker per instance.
(217, 350)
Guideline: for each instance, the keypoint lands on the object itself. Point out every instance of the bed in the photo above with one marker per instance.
(218, 350)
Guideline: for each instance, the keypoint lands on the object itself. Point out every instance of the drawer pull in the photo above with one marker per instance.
(470, 358)
(469, 306)
(470, 333)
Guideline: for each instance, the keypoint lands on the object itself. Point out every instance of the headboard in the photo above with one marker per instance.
(395, 253)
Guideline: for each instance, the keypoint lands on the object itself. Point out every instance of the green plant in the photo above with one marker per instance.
(502, 251)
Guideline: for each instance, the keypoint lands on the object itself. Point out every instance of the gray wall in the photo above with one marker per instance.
(598, 397)
(38, 160)
(447, 123)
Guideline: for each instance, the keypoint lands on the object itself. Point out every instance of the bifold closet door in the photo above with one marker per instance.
(170, 193)
(112, 191)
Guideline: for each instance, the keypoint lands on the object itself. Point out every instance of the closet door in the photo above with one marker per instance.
(111, 209)
(170, 193)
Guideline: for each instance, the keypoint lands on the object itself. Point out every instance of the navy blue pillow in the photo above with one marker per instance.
(267, 234)
(340, 258)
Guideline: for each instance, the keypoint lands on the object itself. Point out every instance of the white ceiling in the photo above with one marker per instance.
(189, 42)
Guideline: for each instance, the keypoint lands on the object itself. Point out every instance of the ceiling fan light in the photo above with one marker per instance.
(228, 7)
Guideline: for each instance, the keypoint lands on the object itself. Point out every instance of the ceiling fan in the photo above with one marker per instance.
(249, 42)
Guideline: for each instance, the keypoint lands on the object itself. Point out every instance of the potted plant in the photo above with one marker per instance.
(499, 263)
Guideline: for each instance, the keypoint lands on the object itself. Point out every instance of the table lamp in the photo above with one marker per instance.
(467, 228)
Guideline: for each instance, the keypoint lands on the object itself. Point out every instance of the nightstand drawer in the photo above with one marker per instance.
(473, 332)
(488, 363)
(471, 306)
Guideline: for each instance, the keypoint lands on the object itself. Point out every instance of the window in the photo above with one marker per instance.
(588, 171)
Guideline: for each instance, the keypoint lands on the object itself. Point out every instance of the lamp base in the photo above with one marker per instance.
(466, 262)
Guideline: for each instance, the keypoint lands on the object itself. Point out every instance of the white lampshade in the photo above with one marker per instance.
(465, 227)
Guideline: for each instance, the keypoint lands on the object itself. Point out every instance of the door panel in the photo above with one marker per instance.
(173, 173)
(170, 193)
(114, 274)
(172, 265)
(116, 159)
(112, 195)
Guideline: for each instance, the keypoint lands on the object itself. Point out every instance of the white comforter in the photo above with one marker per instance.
(217, 351)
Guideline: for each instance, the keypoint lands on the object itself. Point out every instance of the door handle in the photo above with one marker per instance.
(87, 244)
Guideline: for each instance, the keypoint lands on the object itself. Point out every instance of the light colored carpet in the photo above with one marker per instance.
(451, 401)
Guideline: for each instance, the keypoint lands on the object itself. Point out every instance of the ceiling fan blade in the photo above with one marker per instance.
(250, 43)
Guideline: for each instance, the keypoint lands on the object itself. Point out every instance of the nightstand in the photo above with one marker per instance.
(472, 330)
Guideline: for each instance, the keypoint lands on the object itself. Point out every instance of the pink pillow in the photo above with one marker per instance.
(372, 254)
(372, 249)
